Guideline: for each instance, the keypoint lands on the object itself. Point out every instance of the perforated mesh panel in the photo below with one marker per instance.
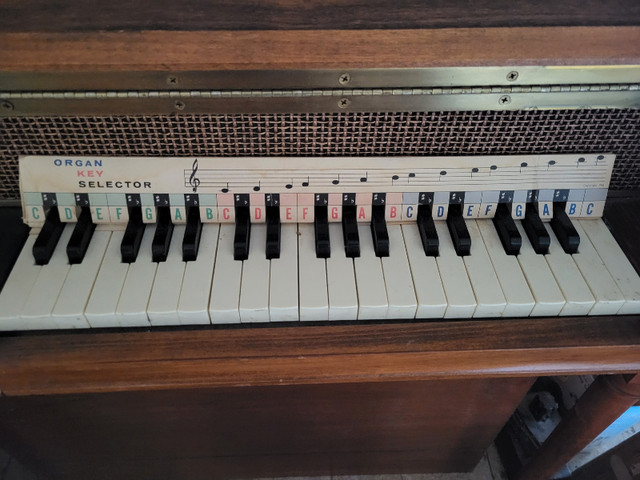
(330, 134)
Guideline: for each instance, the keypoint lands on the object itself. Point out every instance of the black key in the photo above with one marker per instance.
(350, 231)
(243, 234)
(427, 230)
(535, 230)
(458, 230)
(273, 233)
(507, 230)
(379, 231)
(564, 229)
(321, 221)
(192, 234)
(48, 237)
(162, 237)
(130, 245)
(80, 237)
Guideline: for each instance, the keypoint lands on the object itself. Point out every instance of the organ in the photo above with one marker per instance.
(352, 373)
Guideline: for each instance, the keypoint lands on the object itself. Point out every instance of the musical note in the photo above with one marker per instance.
(306, 184)
(336, 181)
(474, 170)
(550, 164)
(257, 187)
(580, 160)
(523, 165)
(193, 180)
(365, 178)
(492, 168)
(442, 174)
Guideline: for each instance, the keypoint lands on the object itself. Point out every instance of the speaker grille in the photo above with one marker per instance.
(328, 134)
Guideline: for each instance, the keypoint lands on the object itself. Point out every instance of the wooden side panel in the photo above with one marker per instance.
(399, 427)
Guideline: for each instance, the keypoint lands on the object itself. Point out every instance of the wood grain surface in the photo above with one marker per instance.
(393, 427)
(102, 362)
(115, 15)
(319, 49)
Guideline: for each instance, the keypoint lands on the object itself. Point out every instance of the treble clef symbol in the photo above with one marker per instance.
(193, 180)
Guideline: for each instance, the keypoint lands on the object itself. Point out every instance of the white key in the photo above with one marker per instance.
(134, 298)
(514, 285)
(484, 281)
(312, 277)
(397, 277)
(432, 302)
(574, 289)
(621, 270)
(72, 301)
(283, 284)
(254, 289)
(227, 275)
(18, 286)
(163, 303)
(193, 307)
(372, 293)
(609, 298)
(101, 308)
(461, 302)
(38, 307)
(341, 280)
(545, 289)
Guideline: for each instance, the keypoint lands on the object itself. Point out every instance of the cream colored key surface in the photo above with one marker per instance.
(432, 302)
(545, 289)
(575, 290)
(397, 277)
(163, 303)
(193, 306)
(283, 284)
(72, 301)
(484, 281)
(312, 277)
(38, 307)
(341, 281)
(609, 298)
(372, 292)
(134, 298)
(461, 302)
(254, 290)
(227, 276)
(17, 287)
(101, 308)
(514, 285)
(625, 276)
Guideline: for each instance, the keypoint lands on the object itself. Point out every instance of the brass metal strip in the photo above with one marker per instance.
(132, 102)
(320, 79)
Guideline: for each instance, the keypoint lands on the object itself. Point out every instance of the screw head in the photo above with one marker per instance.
(172, 80)
(6, 105)
(504, 100)
(344, 102)
(344, 79)
(179, 105)
(512, 76)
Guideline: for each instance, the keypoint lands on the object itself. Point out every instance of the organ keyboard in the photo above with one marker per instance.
(114, 243)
